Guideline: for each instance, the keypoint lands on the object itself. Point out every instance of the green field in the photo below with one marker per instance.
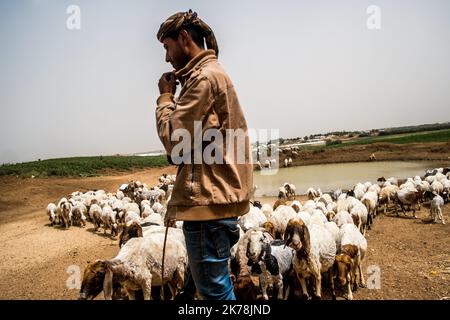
(81, 166)
(420, 137)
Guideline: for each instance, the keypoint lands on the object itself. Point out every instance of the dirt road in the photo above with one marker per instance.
(413, 256)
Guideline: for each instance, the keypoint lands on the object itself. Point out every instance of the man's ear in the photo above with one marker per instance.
(184, 38)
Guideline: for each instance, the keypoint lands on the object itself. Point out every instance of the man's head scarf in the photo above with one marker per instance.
(187, 19)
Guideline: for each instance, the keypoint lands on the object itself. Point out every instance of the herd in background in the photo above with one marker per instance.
(272, 163)
(285, 251)
(112, 211)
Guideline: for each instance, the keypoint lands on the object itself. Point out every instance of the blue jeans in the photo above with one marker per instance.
(208, 246)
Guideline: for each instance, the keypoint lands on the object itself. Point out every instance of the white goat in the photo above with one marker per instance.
(253, 218)
(342, 217)
(436, 209)
(52, 213)
(137, 266)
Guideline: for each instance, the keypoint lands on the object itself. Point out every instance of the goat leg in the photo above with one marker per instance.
(440, 215)
(173, 290)
(304, 289)
(331, 276)
(349, 291)
(354, 279)
(131, 295)
(287, 290)
(362, 281)
(147, 288)
(403, 209)
(263, 285)
(413, 208)
(279, 282)
(318, 283)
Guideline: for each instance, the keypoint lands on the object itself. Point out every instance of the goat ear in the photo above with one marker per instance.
(305, 238)
(267, 249)
(140, 233)
(103, 265)
(108, 284)
(351, 264)
(263, 253)
(286, 236)
(335, 267)
(287, 240)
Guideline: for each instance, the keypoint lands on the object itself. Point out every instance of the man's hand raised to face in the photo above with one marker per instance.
(167, 83)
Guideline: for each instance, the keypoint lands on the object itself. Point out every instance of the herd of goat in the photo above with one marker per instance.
(285, 250)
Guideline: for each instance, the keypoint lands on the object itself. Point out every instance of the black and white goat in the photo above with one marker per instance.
(272, 261)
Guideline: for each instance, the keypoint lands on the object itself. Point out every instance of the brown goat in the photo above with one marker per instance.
(356, 220)
(270, 228)
(245, 287)
(346, 265)
(296, 208)
(303, 247)
(411, 198)
(92, 283)
(134, 230)
(278, 203)
(330, 215)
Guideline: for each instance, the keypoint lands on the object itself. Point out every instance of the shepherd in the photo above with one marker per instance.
(207, 197)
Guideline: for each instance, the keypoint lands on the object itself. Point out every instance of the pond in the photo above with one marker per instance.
(329, 177)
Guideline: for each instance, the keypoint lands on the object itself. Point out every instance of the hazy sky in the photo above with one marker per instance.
(301, 66)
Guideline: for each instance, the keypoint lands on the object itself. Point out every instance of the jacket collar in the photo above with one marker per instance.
(195, 63)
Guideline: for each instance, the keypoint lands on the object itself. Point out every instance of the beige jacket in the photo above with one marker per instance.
(206, 191)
